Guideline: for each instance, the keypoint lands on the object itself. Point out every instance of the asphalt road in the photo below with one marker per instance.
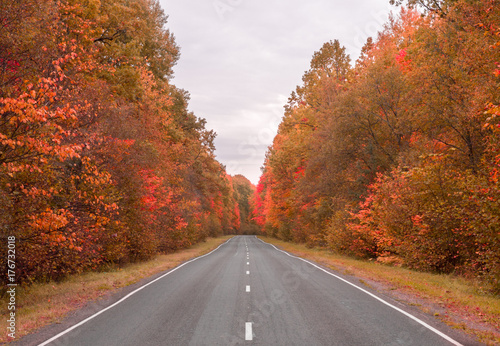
(247, 292)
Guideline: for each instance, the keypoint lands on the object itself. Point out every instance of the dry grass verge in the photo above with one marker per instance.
(43, 304)
(460, 303)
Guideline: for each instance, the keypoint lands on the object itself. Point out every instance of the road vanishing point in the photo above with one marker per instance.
(248, 292)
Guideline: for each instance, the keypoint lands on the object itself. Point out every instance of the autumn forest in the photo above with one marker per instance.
(101, 162)
(393, 156)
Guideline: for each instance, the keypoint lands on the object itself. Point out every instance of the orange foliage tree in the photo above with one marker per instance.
(100, 161)
(398, 159)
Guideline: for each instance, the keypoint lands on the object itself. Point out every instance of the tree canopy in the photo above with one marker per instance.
(101, 162)
(396, 157)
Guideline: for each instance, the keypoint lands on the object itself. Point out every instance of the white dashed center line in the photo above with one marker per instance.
(248, 331)
(248, 325)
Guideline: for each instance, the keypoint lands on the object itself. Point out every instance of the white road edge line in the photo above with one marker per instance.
(248, 331)
(127, 296)
(441, 334)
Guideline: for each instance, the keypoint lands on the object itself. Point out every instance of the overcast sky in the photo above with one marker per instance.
(241, 59)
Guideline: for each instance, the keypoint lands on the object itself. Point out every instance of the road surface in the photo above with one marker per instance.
(247, 292)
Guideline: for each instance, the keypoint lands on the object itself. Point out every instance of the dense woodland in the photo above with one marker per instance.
(396, 156)
(100, 160)
(393, 157)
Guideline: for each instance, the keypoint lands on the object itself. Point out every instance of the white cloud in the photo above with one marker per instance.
(240, 64)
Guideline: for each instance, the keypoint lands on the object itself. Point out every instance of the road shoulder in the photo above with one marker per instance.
(473, 324)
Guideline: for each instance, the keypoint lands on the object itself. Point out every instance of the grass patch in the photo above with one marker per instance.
(461, 303)
(43, 304)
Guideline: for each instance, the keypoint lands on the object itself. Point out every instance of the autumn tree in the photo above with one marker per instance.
(396, 159)
(101, 162)
(244, 191)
